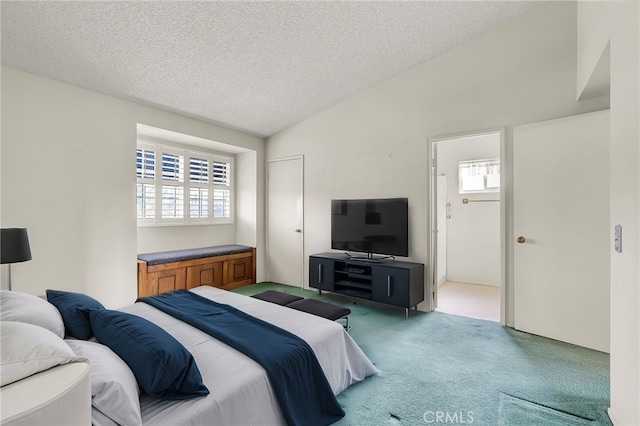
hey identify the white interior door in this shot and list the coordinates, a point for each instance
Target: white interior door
(285, 221)
(561, 211)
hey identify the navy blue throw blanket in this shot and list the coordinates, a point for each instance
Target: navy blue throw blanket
(302, 389)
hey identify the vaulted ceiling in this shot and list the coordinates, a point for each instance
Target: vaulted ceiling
(257, 66)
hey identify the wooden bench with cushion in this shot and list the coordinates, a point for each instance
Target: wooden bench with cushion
(226, 267)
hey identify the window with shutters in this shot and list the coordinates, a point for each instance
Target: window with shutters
(479, 176)
(180, 186)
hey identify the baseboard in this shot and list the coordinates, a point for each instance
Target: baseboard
(611, 417)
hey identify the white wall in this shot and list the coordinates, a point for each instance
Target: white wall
(246, 208)
(68, 175)
(473, 231)
(375, 144)
(618, 23)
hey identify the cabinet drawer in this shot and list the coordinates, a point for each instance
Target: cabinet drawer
(207, 274)
(321, 274)
(163, 281)
(238, 271)
(391, 285)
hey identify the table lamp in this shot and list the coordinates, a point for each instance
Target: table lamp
(14, 247)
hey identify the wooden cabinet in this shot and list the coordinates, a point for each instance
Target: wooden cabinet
(224, 271)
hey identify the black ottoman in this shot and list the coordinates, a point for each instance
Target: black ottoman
(322, 309)
(277, 297)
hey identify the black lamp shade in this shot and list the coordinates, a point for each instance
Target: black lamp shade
(14, 245)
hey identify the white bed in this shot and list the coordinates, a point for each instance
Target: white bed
(239, 390)
(240, 393)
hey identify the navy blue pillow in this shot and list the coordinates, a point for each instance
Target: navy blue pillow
(70, 306)
(163, 367)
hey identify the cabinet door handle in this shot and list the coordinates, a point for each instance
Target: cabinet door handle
(388, 285)
(319, 273)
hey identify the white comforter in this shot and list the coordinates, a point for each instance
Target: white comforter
(240, 393)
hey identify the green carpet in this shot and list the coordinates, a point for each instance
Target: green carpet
(526, 413)
(438, 368)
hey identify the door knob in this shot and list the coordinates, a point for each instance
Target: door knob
(521, 239)
(298, 230)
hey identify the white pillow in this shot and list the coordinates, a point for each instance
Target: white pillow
(27, 349)
(114, 388)
(23, 307)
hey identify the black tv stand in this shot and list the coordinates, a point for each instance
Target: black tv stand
(391, 282)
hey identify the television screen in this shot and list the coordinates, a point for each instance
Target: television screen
(371, 226)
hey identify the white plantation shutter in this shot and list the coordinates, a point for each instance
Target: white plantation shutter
(146, 200)
(221, 203)
(145, 187)
(145, 163)
(199, 188)
(198, 170)
(178, 186)
(198, 203)
(221, 189)
(172, 202)
(172, 186)
(221, 175)
(172, 167)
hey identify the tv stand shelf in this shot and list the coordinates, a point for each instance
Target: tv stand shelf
(391, 282)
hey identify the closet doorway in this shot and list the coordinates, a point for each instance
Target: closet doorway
(467, 250)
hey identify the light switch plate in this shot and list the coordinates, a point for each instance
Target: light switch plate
(617, 238)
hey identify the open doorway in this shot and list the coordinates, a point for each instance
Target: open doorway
(466, 200)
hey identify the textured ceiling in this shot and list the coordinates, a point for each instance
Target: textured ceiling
(254, 66)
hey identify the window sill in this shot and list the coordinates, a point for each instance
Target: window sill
(162, 225)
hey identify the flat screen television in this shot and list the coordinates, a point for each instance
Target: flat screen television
(371, 226)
